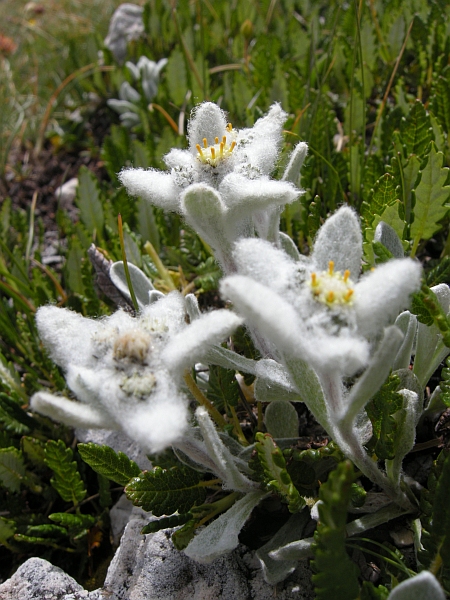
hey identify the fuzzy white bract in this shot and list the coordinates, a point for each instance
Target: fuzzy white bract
(126, 371)
(221, 184)
(320, 309)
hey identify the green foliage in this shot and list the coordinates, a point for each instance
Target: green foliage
(66, 479)
(276, 476)
(381, 411)
(308, 468)
(435, 519)
(88, 201)
(105, 461)
(166, 522)
(431, 198)
(445, 383)
(336, 575)
(415, 130)
(428, 310)
(165, 491)
(223, 389)
(12, 468)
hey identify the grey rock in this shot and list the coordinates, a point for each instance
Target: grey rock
(37, 579)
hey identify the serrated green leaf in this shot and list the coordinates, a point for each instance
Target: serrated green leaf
(113, 465)
(336, 575)
(426, 306)
(164, 492)
(440, 273)
(166, 522)
(34, 450)
(276, 475)
(184, 535)
(12, 469)
(14, 417)
(441, 101)
(380, 411)
(67, 480)
(435, 505)
(46, 530)
(71, 521)
(415, 130)
(223, 389)
(431, 197)
(7, 529)
(384, 194)
(88, 201)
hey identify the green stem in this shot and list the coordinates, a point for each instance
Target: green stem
(125, 264)
(203, 400)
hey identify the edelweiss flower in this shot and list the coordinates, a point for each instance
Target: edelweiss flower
(320, 309)
(221, 184)
(125, 371)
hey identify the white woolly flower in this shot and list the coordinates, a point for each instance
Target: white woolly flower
(221, 184)
(125, 370)
(320, 309)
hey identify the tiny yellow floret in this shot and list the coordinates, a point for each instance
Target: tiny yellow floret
(332, 288)
(213, 154)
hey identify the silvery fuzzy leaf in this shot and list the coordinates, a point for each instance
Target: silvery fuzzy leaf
(296, 159)
(406, 433)
(225, 467)
(430, 349)
(387, 235)
(273, 382)
(221, 536)
(276, 571)
(123, 107)
(407, 323)
(340, 240)
(191, 345)
(287, 244)
(230, 360)
(154, 296)
(281, 419)
(142, 285)
(296, 550)
(423, 586)
(71, 413)
(192, 307)
(156, 187)
(375, 375)
(127, 92)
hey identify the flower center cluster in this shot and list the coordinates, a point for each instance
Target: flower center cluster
(215, 153)
(332, 288)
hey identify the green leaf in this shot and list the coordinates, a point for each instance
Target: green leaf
(74, 523)
(431, 196)
(281, 419)
(384, 194)
(380, 411)
(67, 480)
(415, 130)
(164, 492)
(370, 592)
(426, 306)
(34, 450)
(435, 518)
(276, 475)
(88, 201)
(7, 530)
(175, 75)
(105, 461)
(184, 535)
(336, 575)
(14, 417)
(440, 273)
(166, 522)
(12, 469)
(223, 389)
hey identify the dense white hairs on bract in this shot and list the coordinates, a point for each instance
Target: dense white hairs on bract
(340, 240)
(383, 293)
(156, 187)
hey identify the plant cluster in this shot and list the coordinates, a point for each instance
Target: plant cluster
(325, 230)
